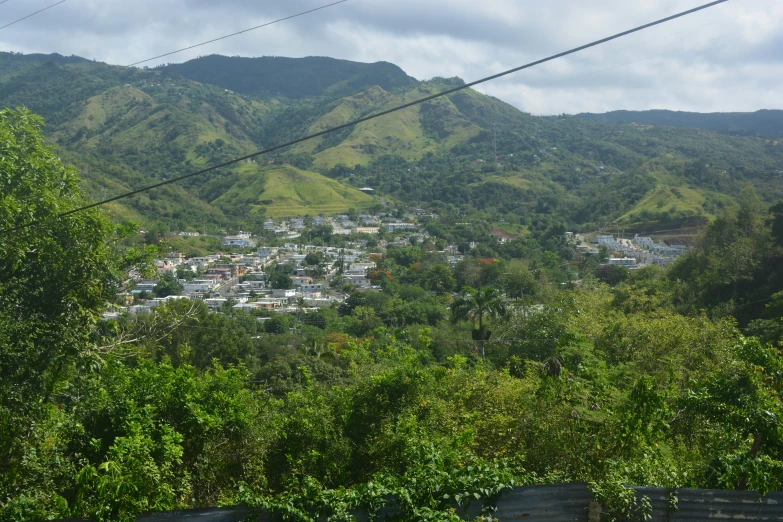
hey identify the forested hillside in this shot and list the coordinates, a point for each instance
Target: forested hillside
(763, 122)
(293, 78)
(126, 127)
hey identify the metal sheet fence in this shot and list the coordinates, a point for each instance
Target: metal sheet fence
(710, 504)
(557, 503)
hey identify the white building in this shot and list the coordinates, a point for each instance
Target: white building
(144, 286)
(199, 262)
(284, 293)
(644, 241)
(215, 304)
(238, 241)
(366, 230)
(251, 285)
(622, 261)
(198, 285)
(320, 302)
(360, 268)
(391, 227)
(270, 303)
(265, 252)
(358, 281)
(302, 280)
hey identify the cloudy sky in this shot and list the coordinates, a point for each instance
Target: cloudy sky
(727, 58)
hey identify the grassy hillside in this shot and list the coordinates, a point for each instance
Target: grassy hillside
(288, 191)
(411, 133)
(666, 202)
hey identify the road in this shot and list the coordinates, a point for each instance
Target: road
(224, 290)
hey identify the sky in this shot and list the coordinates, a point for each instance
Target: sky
(726, 58)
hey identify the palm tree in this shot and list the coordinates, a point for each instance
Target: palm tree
(474, 305)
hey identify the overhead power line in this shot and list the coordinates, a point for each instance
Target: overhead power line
(376, 115)
(31, 14)
(4, 1)
(238, 32)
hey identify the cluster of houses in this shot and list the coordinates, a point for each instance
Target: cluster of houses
(242, 281)
(292, 228)
(639, 251)
(240, 240)
(341, 225)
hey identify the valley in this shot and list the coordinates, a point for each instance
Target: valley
(430, 313)
(467, 154)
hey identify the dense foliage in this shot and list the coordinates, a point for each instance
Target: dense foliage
(525, 377)
(313, 76)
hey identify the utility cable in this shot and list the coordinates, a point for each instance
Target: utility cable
(238, 32)
(32, 14)
(662, 53)
(4, 1)
(376, 115)
(680, 33)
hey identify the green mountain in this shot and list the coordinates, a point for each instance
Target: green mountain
(462, 154)
(291, 77)
(764, 122)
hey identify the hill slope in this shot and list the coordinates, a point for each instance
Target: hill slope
(287, 191)
(411, 133)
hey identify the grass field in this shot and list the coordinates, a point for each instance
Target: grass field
(287, 191)
(666, 203)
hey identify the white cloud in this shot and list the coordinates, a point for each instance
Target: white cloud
(723, 59)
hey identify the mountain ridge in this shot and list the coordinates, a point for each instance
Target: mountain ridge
(464, 153)
(294, 78)
(767, 122)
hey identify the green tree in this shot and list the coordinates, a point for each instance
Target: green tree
(301, 304)
(55, 278)
(168, 285)
(518, 281)
(477, 305)
(404, 256)
(777, 222)
(749, 216)
(281, 281)
(185, 273)
(314, 258)
(612, 274)
(280, 277)
(439, 279)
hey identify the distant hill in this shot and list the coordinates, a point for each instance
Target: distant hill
(15, 62)
(291, 77)
(763, 122)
